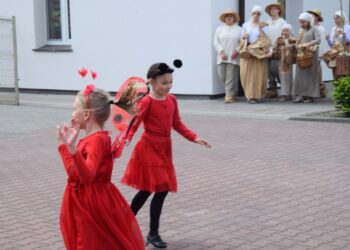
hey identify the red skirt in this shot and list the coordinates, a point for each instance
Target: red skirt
(150, 167)
(97, 216)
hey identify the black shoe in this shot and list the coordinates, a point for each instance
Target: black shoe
(156, 241)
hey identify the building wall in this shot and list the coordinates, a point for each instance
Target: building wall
(139, 33)
(119, 39)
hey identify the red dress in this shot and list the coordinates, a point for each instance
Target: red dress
(94, 214)
(150, 167)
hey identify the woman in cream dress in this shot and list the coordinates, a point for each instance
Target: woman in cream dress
(253, 70)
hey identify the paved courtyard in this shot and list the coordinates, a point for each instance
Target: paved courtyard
(267, 182)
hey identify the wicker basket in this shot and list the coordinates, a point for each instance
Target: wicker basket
(304, 58)
(243, 50)
(305, 61)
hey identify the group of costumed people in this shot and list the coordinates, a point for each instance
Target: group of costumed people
(261, 54)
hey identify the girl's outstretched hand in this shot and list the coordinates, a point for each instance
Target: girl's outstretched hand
(202, 142)
(67, 134)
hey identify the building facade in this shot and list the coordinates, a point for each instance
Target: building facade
(119, 39)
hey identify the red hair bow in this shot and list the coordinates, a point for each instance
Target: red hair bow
(88, 89)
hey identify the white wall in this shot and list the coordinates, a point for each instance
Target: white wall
(24, 27)
(218, 7)
(40, 23)
(118, 39)
(293, 9)
(131, 35)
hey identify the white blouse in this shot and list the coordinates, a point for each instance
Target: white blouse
(226, 39)
(340, 37)
(274, 29)
(253, 32)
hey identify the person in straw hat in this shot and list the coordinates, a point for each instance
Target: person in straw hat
(226, 42)
(306, 84)
(253, 70)
(324, 47)
(274, 29)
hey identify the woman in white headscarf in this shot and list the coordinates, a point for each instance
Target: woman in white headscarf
(226, 42)
(307, 80)
(341, 28)
(253, 70)
(340, 35)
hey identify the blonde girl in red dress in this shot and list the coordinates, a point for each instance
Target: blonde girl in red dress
(94, 214)
(150, 168)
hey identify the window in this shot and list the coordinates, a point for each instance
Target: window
(58, 22)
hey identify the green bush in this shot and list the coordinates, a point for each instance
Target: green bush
(341, 94)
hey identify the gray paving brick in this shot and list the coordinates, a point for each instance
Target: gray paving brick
(267, 182)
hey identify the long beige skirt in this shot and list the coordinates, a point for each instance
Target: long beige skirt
(253, 77)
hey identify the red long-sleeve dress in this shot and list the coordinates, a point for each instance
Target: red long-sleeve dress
(94, 214)
(150, 167)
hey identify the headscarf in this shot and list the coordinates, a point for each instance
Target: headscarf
(287, 26)
(305, 16)
(257, 8)
(341, 14)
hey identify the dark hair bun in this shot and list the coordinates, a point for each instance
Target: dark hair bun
(177, 63)
(163, 68)
(158, 69)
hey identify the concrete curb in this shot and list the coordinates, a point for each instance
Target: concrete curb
(322, 117)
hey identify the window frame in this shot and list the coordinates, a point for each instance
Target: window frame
(65, 24)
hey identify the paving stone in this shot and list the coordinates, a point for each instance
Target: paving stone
(267, 182)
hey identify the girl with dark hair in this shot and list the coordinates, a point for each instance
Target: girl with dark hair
(150, 168)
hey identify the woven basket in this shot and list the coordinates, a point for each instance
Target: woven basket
(305, 61)
(304, 58)
(245, 54)
(243, 50)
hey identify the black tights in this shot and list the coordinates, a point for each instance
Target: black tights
(155, 210)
